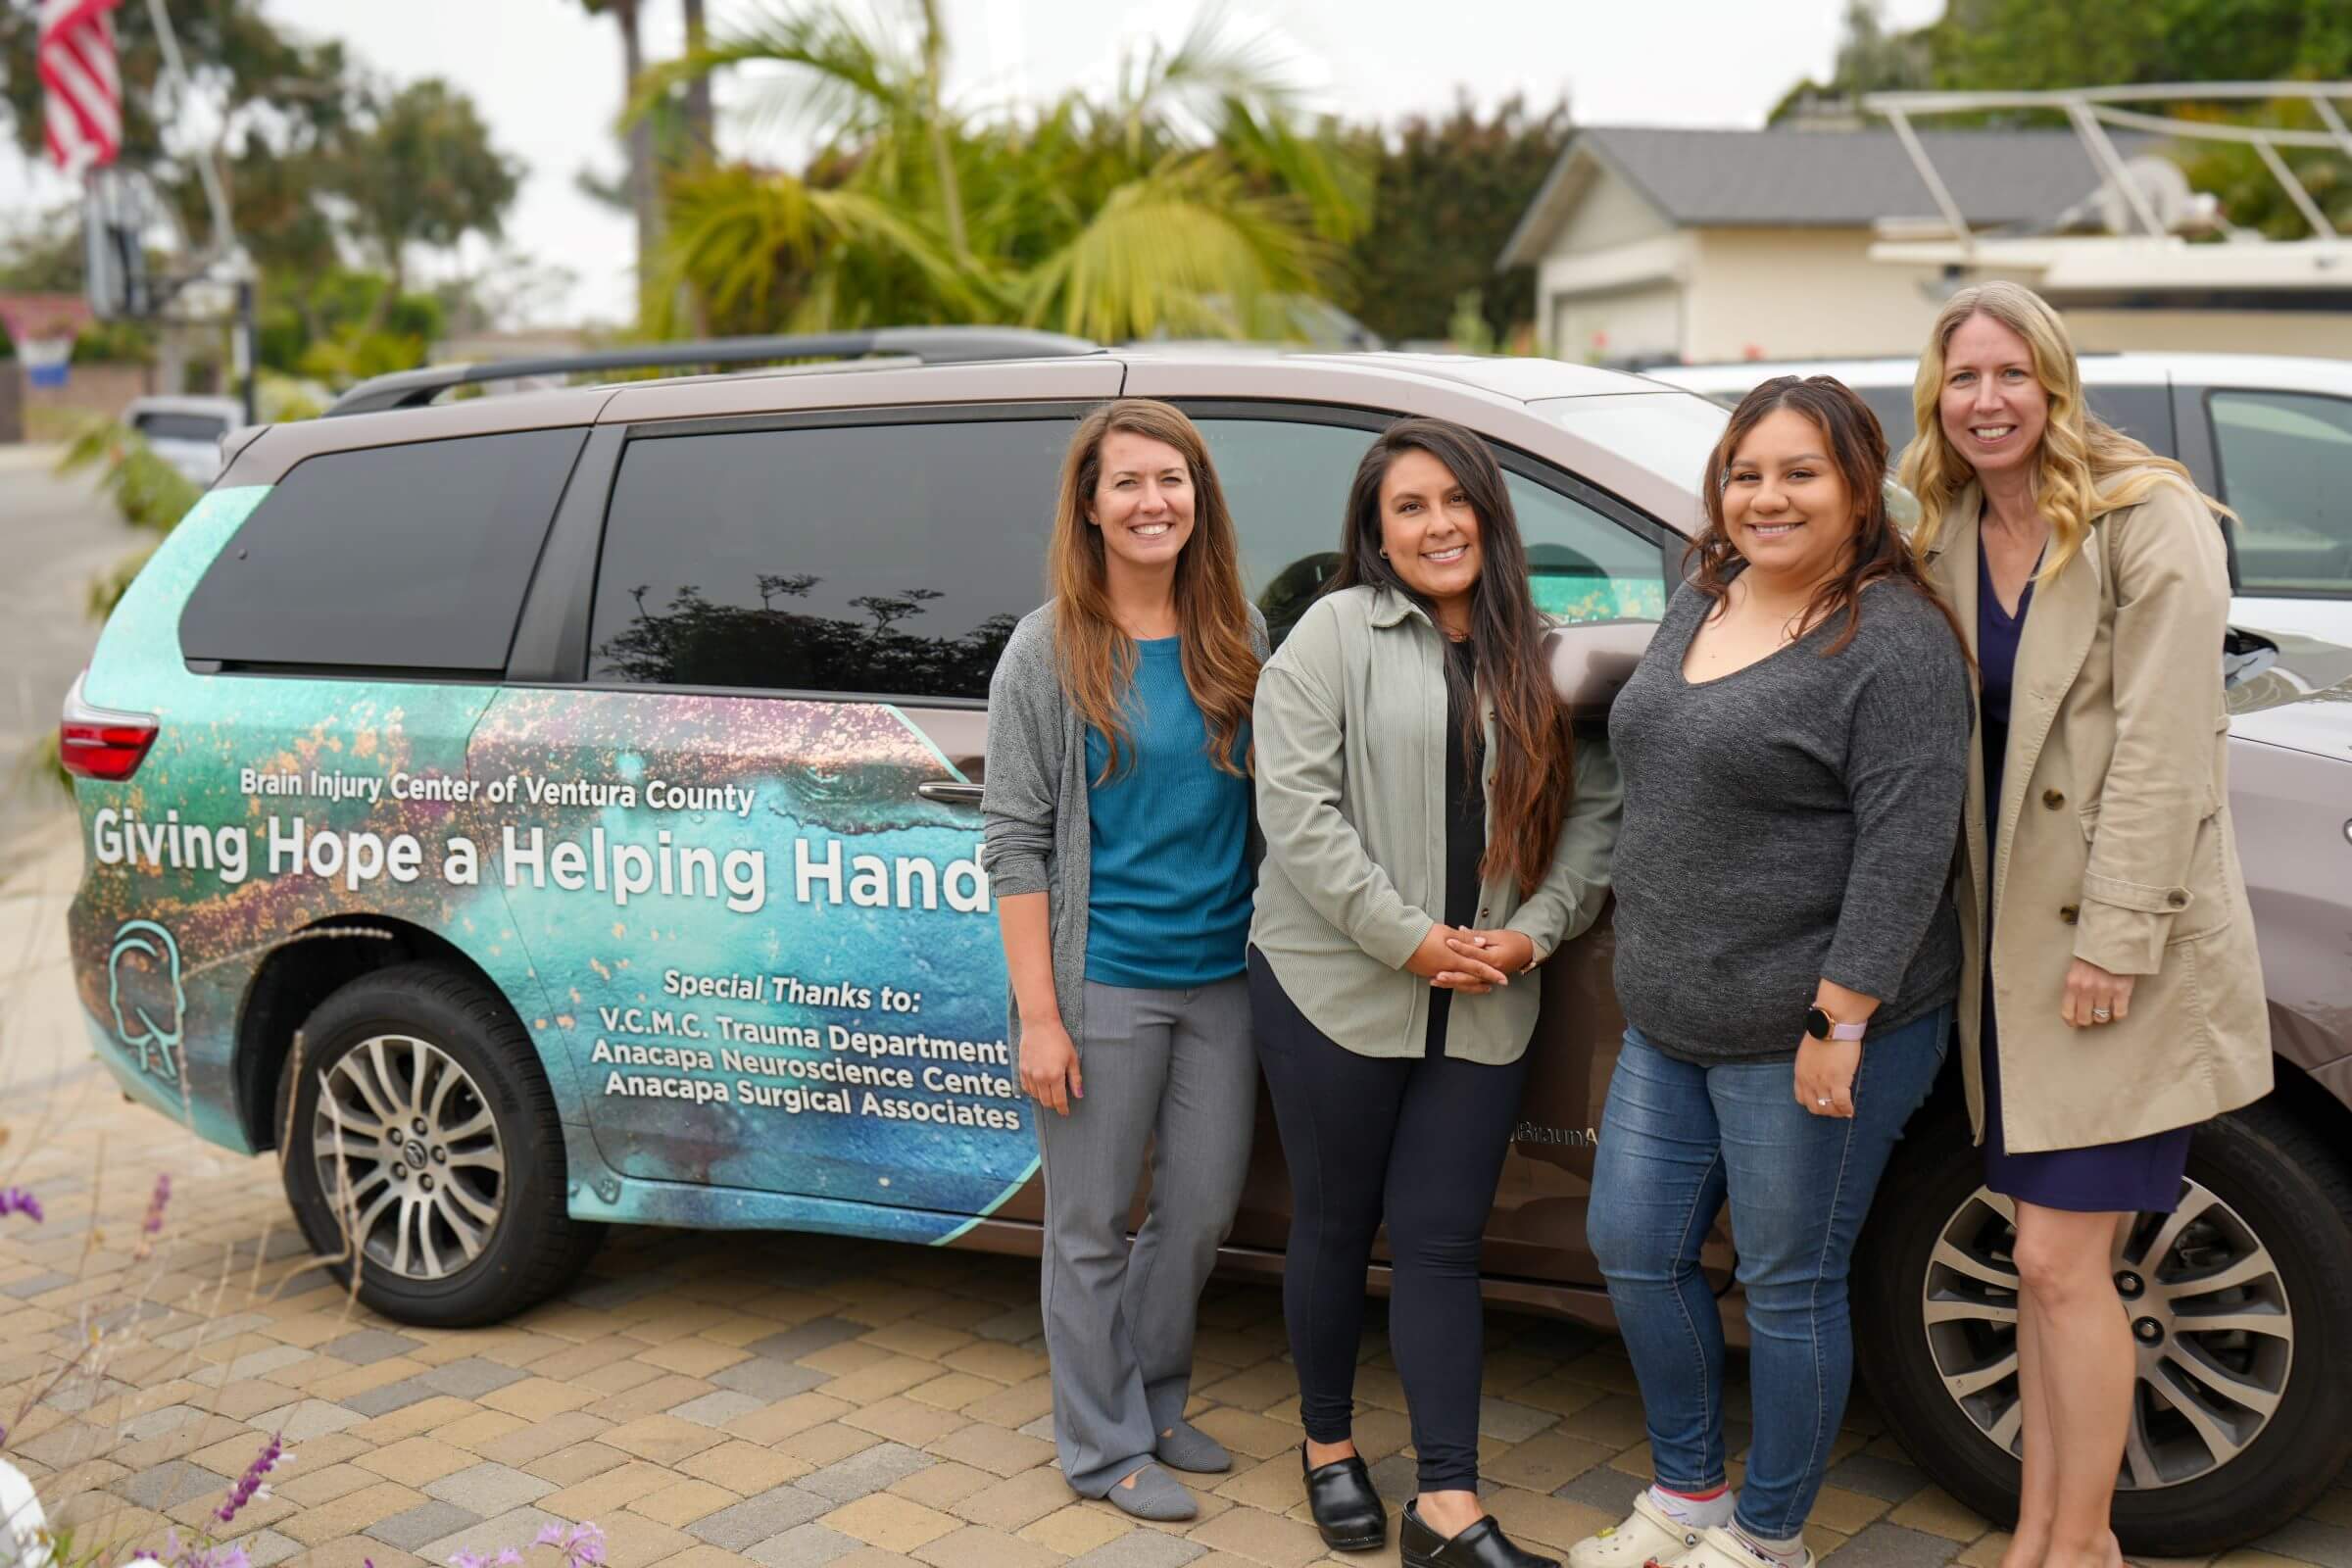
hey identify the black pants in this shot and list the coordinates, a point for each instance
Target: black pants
(1422, 1140)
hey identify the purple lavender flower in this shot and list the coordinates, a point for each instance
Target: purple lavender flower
(155, 1204)
(250, 1483)
(19, 1200)
(197, 1555)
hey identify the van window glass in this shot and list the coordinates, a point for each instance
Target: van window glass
(1287, 482)
(2286, 466)
(887, 559)
(161, 426)
(410, 557)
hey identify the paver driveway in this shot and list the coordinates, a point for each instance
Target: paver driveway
(708, 1397)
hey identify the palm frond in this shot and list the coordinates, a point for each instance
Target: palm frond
(1185, 249)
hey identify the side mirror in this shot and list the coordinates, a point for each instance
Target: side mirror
(1592, 661)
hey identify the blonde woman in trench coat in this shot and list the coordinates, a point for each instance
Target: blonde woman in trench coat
(2099, 872)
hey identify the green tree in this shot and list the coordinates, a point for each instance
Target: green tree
(420, 171)
(1449, 192)
(1182, 200)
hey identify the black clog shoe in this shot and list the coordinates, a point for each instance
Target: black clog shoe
(1482, 1546)
(1348, 1508)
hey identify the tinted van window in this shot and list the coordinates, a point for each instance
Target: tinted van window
(1287, 482)
(887, 559)
(160, 426)
(2287, 468)
(410, 557)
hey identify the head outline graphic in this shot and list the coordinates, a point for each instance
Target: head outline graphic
(157, 1043)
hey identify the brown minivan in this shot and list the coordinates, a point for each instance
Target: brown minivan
(627, 740)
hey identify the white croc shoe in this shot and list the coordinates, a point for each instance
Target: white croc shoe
(1719, 1548)
(1648, 1535)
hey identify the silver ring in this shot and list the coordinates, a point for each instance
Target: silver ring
(2100, 1016)
(1821, 1101)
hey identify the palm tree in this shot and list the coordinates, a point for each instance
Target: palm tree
(1181, 201)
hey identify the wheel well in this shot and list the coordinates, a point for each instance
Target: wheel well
(298, 976)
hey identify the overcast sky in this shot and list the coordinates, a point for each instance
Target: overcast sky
(547, 76)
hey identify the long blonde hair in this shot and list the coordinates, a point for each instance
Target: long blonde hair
(2086, 467)
(1096, 658)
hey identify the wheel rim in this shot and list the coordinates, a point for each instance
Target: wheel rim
(2212, 1329)
(408, 1158)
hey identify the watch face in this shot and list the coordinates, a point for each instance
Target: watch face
(1817, 1024)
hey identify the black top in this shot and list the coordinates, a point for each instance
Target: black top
(1465, 818)
(1790, 821)
(1997, 633)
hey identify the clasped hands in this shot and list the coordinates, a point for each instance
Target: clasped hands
(1460, 959)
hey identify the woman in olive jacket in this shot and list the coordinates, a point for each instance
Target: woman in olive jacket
(2110, 997)
(1430, 838)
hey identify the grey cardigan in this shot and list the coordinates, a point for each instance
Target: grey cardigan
(1033, 803)
(1351, 739)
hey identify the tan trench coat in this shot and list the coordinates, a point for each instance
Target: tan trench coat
(2115, 843)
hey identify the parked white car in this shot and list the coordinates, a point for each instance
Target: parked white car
(186, 431)
(2269, 435)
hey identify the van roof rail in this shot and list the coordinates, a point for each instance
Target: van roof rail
(933, 345)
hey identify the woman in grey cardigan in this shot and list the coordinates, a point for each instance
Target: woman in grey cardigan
(1431, 835)
(1117, 806)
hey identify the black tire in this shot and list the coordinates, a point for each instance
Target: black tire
(531, 1248)
(2293, 1194)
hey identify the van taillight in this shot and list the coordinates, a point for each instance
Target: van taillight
(102, 743)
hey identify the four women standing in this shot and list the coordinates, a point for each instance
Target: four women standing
(1798, 763)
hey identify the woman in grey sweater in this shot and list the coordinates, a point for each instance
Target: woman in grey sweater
(1796, 747)
(1118, 808)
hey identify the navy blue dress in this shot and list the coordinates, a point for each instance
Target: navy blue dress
(2138, 1173)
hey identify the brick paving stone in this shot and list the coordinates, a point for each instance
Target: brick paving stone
(825, 1445)
(168, 1484)
(901, 1420)
(1007, 1453)
(869, 1470)
(156, 1423)
(614, 1489)
(415, 1461)
(717, 1407)
(682, 1503)
(386, 1398)
(349, 1513)
(1612, 1491)
(1848, 1511)
(1936, 1513)
(470, 1377)
(489, 1489)
(805, 1340)
(521, 1448)
(892, 1523)
(1078, 1529)
(1547, 1462)
(954, 1391)
(1885, 1545)
(413, 1528)
(1545, 1519)
(977, 1546)
(425, 1415)
(2309, 1540)
(1275, 1542)
(1876, 1476)
(659, 1393)
(266, 1548)
(514, 1528)
(767, 1378)
(478, 1427)
(785, 1417)
(366, 1345)
(310, 1488)
(695, 1357)
(809, 1545)
(760, 1518)
(579, 1463)
(535, 1397)
(1144, 1548)
(661, 1438)
(1511, 1422)
(1017, 1500)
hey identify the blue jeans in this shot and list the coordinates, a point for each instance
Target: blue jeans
(1675, 1142)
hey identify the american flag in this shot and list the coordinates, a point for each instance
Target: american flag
(84, 89)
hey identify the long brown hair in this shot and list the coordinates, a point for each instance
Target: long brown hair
(1878, 552)
(1534, 767)
(1096, 658)
(2085, 469)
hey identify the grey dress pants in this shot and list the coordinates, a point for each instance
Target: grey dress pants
(1178, 1069)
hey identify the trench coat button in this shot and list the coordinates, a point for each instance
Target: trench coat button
(1482, 913)
(2069, 913)
(2053, 798)
(2177, 899)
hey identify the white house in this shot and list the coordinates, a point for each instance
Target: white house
(1670, 245)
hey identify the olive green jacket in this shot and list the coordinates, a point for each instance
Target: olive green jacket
(1351, 732)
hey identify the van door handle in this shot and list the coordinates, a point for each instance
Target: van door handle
(948, 792)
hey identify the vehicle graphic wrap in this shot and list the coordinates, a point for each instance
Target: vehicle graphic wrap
(761, 973)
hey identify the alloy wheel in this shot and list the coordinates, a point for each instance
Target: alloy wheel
(2210, 1321)
(409, 1157)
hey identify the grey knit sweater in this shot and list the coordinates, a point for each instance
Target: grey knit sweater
(1033, 803)
(1791, 821)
